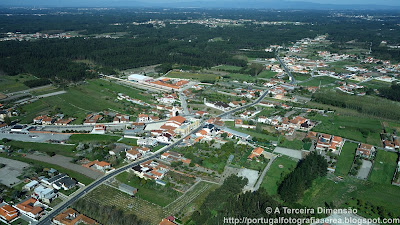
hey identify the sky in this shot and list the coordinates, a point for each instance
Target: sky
(206, 3)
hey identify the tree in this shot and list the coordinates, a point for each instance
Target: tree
(7, 120)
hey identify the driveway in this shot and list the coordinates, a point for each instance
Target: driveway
(364, 170)
(65, 162)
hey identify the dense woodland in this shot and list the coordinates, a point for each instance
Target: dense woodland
(392, 92)
(184, 44)
(300, 179)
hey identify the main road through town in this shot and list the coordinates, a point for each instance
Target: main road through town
(292, 80)
(45, 220)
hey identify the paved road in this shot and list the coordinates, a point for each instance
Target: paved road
(83, 191)
(292, 80)
(261, 178)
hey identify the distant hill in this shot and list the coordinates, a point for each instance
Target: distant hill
(270, 4)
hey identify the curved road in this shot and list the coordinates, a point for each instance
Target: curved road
(83, 191)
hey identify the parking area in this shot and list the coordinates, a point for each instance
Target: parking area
(37, 137)
(364, 170)
(251, 175)
(11, 170)
(288, 152)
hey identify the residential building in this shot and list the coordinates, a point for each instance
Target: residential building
(147, 142)
(31, 208)
(44, 194)
(72, 217)
(132, 154)
(8, 214)
(255, 153)
(365, 150)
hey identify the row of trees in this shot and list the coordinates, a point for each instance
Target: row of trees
(370, 105)
(300, 179)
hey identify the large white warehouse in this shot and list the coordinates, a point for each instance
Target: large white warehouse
(138, 78)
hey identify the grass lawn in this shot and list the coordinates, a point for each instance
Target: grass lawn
(70, 191)
(319, 80)
(276, 173)
(359, 128)
(196, 76)
(76, 138)
(384, 167)
(295, 144)
(78, 176)
(66, 150)
(129, 141)
(95, 96)
(346, 159)
(156, 194)
(10, 84)
(55, 202)
(324, 191)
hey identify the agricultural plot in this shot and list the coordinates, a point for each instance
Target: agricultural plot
(156, 194)
(360, 129)
(384, 167)
(227, 68)
(65, 150)
(14, 83)
(325, 190)
(346, 159)
(95, 96)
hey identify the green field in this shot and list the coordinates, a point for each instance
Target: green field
(66, 150)
(278, 170)
(95, 96)
(129, 141)
(325, 191)
(267, 74)
(76, 138)
(156, 194)
(14, 83)
(346, 159)
(375, 84)
(78, 176)
(360, 129)
(319, 80)
(196, 76)
(300, 76)
(241, 77)
(295, 144)
(227, 67)
(384, 167)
